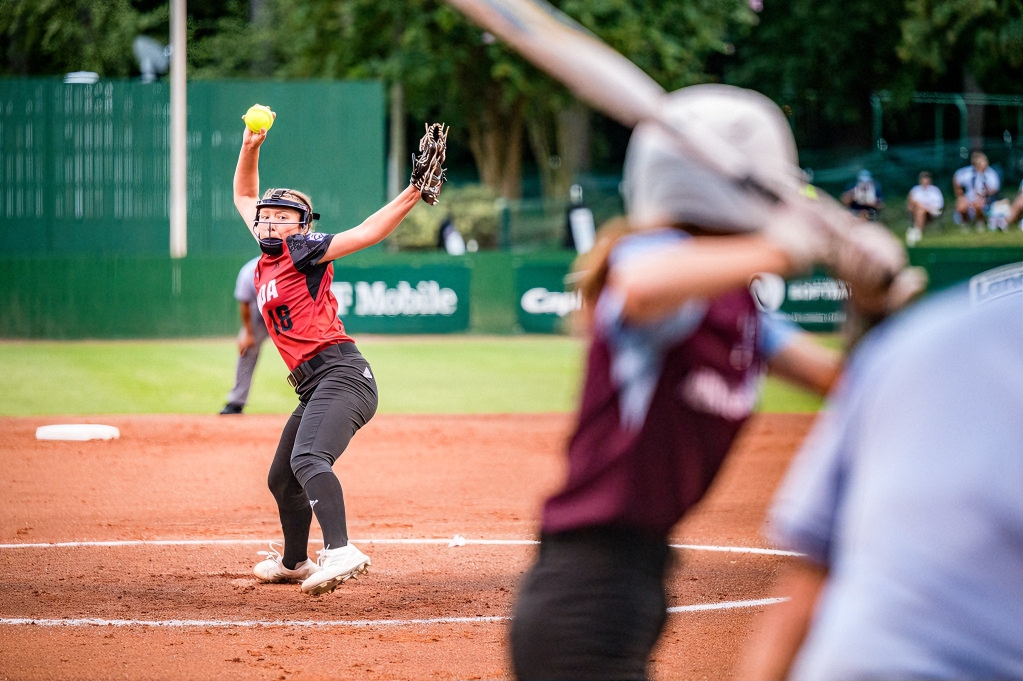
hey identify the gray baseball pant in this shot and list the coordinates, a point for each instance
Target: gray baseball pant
(247, 364)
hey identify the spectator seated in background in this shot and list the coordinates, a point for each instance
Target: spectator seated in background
(864, 198)
(925, 202)
(449, 238)
(974, 187)
(1015, 210)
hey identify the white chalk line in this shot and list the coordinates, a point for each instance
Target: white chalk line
(248, 624)
(423, 541)
(726, 605)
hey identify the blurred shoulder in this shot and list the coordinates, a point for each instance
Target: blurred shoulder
(643, 243)
(981, 316)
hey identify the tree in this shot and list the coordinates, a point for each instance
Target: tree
(670, 41)
(53, 37)
(50, 37)
(953, 40)
(448, 68)
(453, 70)
(820, 60)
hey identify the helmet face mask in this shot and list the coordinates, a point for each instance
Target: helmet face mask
(281, 198)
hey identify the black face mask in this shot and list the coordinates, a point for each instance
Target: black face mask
(271, 246)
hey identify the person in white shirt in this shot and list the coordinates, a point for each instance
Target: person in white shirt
(1016, 210)
(974, 186)
(925, 203)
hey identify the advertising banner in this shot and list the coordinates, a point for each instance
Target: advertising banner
(815, 303)
(403, 299)
(543, 304)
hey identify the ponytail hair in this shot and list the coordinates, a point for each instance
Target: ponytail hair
(590, 270)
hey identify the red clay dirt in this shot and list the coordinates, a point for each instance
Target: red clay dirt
(413, 477)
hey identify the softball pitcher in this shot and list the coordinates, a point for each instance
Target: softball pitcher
(677, 350)
(335, 385)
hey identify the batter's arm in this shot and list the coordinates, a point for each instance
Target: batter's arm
(653, 287)
(246, 177)
(808, 364)
(373, 229)
(782, 629)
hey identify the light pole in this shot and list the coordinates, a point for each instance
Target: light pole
(178, 135)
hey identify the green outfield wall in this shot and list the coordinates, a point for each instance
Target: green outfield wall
(141, 297)
(84, 169)
(106, 296)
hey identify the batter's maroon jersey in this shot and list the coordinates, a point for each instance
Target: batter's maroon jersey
(293, 295)
(646, 476)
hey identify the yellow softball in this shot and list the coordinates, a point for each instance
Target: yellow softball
(258, 117)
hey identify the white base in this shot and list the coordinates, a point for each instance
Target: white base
(78, 432)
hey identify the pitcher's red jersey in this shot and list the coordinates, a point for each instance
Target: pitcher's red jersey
(294, 297)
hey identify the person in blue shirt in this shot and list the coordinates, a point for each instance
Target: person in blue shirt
(864, 197)
(907, 504)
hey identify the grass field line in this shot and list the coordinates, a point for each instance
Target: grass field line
(96, 621)
(409, 541)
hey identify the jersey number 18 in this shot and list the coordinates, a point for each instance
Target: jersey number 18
(281, 318)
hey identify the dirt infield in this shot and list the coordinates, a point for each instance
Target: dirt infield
(193, 611)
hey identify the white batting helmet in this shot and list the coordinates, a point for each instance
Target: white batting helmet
(664, 187)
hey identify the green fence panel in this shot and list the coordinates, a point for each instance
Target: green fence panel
(84, 169)
(108, 296)
(493, 293)
(404, 298)
(115, 297)
(947, 267)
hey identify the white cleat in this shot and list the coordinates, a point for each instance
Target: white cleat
(271, 570)
(336, 567)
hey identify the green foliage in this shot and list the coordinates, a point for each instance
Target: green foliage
(671, 41)
(50, 37)
(489, 95)
(820, 60)
(53, 37)
(471, 208)
(981, 37)
(449, 68)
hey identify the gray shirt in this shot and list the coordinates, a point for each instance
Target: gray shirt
(910, 490)
(245, 290)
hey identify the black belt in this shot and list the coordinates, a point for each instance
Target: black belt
(309, 367)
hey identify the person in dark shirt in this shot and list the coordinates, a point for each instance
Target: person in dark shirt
(677, 350)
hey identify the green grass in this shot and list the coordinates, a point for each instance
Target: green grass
(416, 375)
(954, 237)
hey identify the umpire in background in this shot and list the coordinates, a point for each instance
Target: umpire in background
(250, 338)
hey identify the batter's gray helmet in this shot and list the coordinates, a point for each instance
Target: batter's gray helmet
(664, 187)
